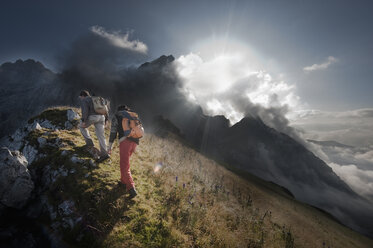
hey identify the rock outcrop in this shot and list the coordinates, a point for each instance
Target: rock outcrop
(17, 153)
(16, 184)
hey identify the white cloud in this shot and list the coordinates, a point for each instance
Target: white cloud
(330, 60)
(353, 164)
(227, 84)
(120, 40)
(361, 181)
(347, 127)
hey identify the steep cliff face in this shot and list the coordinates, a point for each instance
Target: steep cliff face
(185, 199)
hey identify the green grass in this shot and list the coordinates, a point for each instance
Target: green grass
(57, 116)
(207, 206)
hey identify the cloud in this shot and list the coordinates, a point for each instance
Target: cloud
(315, 67)
(228, 85)
(120, 40)
(353, 165)
(348, 127)
(359, 180)
(99, 56)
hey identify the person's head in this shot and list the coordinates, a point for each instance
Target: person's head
(123, 107)
(84, 93)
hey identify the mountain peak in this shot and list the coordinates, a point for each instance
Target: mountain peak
(24, 67)
(160, 62)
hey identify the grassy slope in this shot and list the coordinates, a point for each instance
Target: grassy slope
(207, 206)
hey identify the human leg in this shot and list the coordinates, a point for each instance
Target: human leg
(84, 131)
(126, 148)
(100, 133)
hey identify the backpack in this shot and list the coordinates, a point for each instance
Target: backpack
(133, 124)
(100, 105)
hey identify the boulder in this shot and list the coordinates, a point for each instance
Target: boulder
(34, 126)
(42, 141)
(15, 180)
(72, 115)
(68, 125)
(47, 124)
(76, 160)
(30, 153)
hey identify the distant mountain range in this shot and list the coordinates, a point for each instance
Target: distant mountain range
(153, 89)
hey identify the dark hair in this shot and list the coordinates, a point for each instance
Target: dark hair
(123, 107)
(84, 93)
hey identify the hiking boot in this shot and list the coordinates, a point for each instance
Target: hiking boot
(89, 143)
(87, 147)
(122, 185)
(132, 193)
(102, 158)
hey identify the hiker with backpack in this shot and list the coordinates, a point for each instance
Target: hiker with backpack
(94, 109)
(127, 126)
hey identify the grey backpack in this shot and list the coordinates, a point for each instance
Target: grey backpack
(100, 105)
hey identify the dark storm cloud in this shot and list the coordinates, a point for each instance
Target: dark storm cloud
(99, 55)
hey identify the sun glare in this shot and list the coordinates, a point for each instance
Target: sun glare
(225, 76)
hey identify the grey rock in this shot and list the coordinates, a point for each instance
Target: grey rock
(57, 142)
(15, 180)
(76, 160)
(72, 115)
(16, 140)
(47, 124)
(34, 126)
(30, 153)
(54, 175)
(64, 153)
(42, 141)
(66, 208)
(68, 125)
(63, 172)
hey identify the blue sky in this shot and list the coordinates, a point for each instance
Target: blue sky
(286, 37)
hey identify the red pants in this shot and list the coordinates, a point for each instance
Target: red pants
(126, 148)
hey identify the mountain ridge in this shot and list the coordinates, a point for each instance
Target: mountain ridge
(184, 198)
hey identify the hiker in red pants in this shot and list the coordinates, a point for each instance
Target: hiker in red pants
(127, 126)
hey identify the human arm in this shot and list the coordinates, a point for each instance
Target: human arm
(85, 112)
